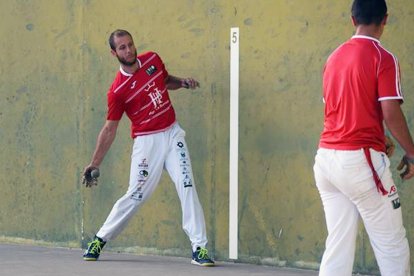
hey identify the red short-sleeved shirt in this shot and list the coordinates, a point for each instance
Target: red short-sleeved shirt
(357, 76)
(143, 96)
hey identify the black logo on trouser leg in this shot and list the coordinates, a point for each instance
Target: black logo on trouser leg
(143, 173)
(187, 182)
(396, 203)
(138, 194)
(185, 166)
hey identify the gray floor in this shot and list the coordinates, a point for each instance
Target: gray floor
(22, 260)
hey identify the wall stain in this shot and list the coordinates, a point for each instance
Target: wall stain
(30, 27)
(248, 21)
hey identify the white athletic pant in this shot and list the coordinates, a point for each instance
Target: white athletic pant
(348, 191)
(151, 154)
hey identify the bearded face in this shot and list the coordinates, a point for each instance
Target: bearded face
(129, 60)
(125, 50)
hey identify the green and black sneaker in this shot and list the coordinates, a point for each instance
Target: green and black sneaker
(94, 249)
(201, 258)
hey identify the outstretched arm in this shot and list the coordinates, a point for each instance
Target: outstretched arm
(397, 125)
(174, 83)
(105, 138)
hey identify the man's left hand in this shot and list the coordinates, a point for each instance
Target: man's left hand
(190, 83)
(389, 146)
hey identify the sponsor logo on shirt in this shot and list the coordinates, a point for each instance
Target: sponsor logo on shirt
(156, 98)
(151, 70)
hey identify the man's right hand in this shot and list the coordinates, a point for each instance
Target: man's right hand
(90, 176)
(406, 164)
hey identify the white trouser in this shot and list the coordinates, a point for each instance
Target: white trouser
(151, 154)
(348, 191)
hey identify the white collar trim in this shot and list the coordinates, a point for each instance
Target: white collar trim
(366, 37)
(126, 73)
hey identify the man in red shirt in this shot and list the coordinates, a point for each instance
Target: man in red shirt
(140, 90)
(361, 90)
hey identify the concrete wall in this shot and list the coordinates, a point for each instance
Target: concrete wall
(55, 69)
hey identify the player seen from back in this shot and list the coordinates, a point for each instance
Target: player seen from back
(361, 91)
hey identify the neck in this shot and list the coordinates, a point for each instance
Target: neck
(369, 30)
(130, 69)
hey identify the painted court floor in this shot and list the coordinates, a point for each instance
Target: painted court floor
(22, 260)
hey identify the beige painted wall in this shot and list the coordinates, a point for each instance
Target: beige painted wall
(55, 69)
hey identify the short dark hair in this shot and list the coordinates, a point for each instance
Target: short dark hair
(367, 12)
(117, 33)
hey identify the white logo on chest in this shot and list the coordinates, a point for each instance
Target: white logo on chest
(156, 98)
(149, 86)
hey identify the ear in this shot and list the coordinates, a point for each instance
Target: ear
(384, 21)
(113, 53)
(354, 22)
